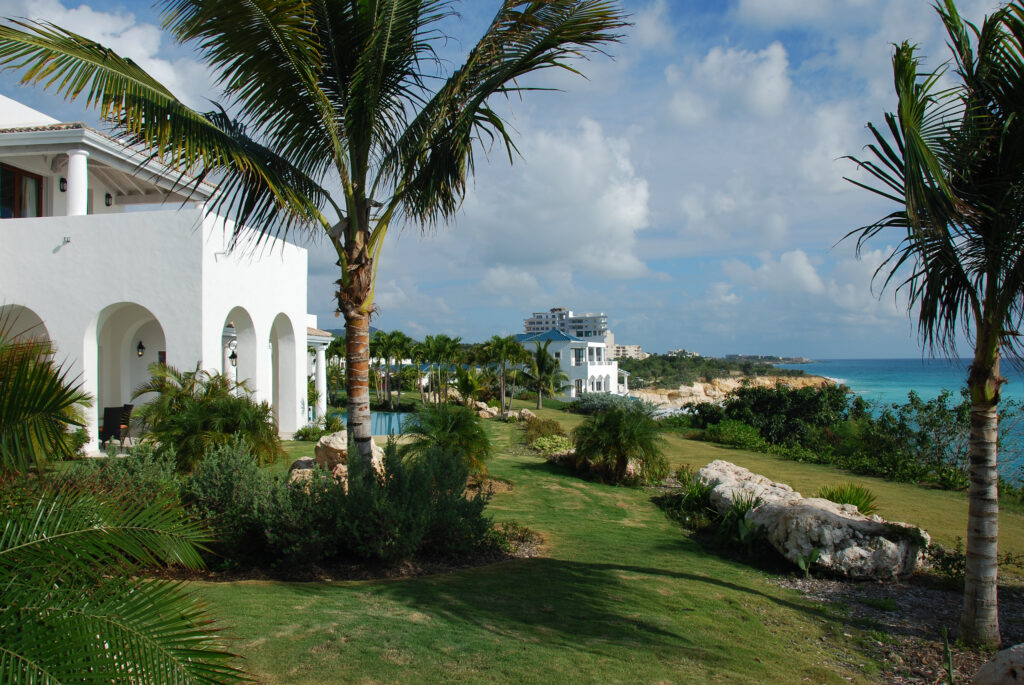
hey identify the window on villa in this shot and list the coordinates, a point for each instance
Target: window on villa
(558, 355)
(21, 193)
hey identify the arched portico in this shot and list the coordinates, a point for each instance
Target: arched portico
(239, 338)
(284, 379)
(21, 323)
(118, 347)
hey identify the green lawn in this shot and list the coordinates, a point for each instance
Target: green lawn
(618, 594)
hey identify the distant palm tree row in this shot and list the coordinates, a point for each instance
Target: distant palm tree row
(494, 369)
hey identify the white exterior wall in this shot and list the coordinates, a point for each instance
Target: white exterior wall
(168, 263)
(605, 369)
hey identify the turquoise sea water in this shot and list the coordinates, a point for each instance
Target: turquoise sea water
(889, 381)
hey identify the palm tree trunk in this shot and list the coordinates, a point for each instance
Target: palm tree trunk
(357, 354)
(979, 622)
(540, 399)
(501, 387)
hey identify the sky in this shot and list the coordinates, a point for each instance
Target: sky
(691, 187)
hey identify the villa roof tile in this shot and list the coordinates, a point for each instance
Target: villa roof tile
(317, 332)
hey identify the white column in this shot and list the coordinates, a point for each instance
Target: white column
(321, 382)
(78, 183)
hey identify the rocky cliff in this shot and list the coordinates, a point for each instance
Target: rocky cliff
(716, 390)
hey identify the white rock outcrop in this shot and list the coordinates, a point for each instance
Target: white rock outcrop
(1006, 667)
(848, 543)
(332, 450)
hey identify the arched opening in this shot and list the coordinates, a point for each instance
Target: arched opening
(239, 339)
(21, 323)
(129, 338)
(283, 375)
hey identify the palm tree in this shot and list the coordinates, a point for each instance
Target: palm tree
(194, 411)
(500, 350)
(402, 349)
(545, 374)
(952, 160)
(418, 353)
(327, 93)
(610, 441)
(450, 428)
(518, 359)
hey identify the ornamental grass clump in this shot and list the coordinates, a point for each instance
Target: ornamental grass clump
(850, 493)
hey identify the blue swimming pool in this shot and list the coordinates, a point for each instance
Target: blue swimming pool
(381, 423)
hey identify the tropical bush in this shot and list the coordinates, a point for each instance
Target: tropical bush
(539, 428)
(414, 509)
(195, 411)
(850, 493)
(312, 432)
(551, 445)
(597, 402)
(452, 428)
(672, 371)
(142, 473)
(609, 443)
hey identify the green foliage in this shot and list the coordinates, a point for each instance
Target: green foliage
(951, 564)
(143, 473)
(449, 427)
(230, 490)
(671, 372)
(39, 402)
(610, 442)
(850, 493)
(736, 434)
(806, 561)
(75, 608)
(544, 374)
(195, 411)
(312, 432)
(598, 402)
(539, 428)
(917, 441)
(550, 445)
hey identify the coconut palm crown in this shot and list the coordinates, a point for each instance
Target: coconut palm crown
(321, 94)
(952, 160)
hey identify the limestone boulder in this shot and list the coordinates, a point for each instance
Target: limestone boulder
(1005, 667)
(848, 543)
(332, 450)
(480, 406)
(527, 415)
(301, 470)
(484, 414)
(494, 412)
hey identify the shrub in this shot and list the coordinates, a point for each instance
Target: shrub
(736, 434)
(850, 493)
(599, 402)
(608, 443)
(540, 428)
(143, 474)
(299, 520)
(311, 432)
(550, 445)
(230, 490)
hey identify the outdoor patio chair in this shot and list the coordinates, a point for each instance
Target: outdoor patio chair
(116, 421)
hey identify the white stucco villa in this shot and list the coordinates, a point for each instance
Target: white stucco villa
(585, 362)
(105, 254)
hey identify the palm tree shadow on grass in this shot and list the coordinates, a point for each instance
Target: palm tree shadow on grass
(575, 605)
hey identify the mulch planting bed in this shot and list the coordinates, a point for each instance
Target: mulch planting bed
(906, 619)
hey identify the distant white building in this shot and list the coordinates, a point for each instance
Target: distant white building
(117, 290)
(630, 352)
(585, 362)
(589, 326)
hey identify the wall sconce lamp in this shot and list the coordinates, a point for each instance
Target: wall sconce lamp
(63, 185)
(108, 200)
(140, 349)
(233, 358)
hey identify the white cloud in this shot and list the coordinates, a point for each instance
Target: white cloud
(573, 202)
(731, 82)
(792, 274)
(652, 26)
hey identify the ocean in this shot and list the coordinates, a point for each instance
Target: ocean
(889, 380)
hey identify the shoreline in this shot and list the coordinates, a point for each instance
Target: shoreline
(717, 389)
